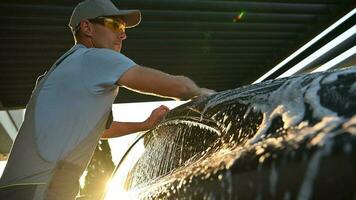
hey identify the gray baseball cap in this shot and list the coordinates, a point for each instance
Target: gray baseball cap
(90, 9)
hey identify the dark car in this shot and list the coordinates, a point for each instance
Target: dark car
(288, 138)
(291, 138)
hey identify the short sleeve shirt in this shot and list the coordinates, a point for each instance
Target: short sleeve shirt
(74, 103)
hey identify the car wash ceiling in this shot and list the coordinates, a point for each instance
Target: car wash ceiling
(219, 44)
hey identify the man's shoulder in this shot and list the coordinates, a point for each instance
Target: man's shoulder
(101, 52)
(101, 56)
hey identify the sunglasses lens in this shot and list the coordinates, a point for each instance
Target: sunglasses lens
(115, 26)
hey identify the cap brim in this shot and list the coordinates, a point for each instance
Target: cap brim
(131, 17)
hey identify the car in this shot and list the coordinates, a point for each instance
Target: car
(290, 137)
(287, 138)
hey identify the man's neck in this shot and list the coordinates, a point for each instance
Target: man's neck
(84, 42)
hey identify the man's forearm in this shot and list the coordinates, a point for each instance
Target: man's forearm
(118, 129)
(151, 81)
(189, 88)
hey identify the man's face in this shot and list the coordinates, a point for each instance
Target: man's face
(109, 33)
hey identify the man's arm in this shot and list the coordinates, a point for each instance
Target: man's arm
(118, 129)
(155, 82)
(151, 81)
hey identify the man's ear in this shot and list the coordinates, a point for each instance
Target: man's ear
(87, 28)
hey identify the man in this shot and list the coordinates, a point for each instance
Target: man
(71, 105)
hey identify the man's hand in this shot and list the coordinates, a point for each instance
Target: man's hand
(156, 116)
(206, 92)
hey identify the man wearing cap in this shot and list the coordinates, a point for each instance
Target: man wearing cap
(70, 107)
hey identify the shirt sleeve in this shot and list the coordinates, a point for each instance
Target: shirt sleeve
(101, 68)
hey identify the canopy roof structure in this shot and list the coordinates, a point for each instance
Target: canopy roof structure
(219, 44)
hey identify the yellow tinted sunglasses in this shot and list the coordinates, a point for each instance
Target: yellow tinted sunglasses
(114, 25)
